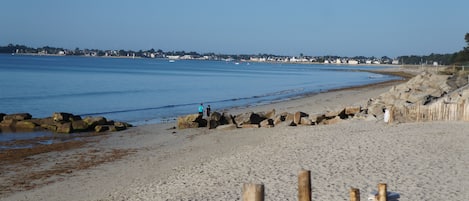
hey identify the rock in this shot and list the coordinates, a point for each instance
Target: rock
(191, 121)
(298, 116)
(267, 123)
(241, 119)
(114, 128)
(249, 118)
(50, 127)
(62, 117)
(227, 119)
(101, 128)
(17, 117)
(331, 114)
(279, 119)
(267, 115)
(122, 125)
(80, 126)
(352, 110)
(25, 125)
(250, 126)
(1, 116)
(212, 124)
(94, 121)
(227, 127)
(65, 127)
(8, 123)
(305, 121)
(215, 116)
(332, 121)
(215, 120)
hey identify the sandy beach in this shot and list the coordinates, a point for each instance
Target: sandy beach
(420, 161)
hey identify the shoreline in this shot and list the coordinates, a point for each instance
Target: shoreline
(421, 161)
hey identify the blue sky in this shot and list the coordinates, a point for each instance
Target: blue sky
(323, 27)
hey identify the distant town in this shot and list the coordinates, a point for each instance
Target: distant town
(433, 59)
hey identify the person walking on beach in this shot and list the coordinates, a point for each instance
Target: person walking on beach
(208, 110)
(201, 109)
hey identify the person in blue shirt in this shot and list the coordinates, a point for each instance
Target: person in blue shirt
(201, 109)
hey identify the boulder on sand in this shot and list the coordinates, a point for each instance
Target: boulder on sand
(191, 121)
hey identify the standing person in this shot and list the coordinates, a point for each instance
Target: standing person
(201, 109)
(208, 110)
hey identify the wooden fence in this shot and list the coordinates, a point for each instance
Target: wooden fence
(255, 192)
(439, 111)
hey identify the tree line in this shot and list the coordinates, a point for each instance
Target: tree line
(461, 57)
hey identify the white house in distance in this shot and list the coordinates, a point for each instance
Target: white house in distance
(173, 57)
(353, 62)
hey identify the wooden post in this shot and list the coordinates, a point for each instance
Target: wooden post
(354, 194)
(253, 192)
(304, 185)
(382, 192)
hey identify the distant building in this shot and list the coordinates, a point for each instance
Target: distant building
(395, 62)
(435, 63)
(173, 57)
(368, 62)
(354, 62)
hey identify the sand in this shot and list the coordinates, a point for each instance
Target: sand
(420, 161)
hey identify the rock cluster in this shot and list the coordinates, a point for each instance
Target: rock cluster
(59, 122)
(419, 94)
(427, 96)
(267, 119)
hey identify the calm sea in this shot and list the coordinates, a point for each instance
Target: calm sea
(143, 91)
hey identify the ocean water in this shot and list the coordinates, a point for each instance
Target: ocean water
(142, 91)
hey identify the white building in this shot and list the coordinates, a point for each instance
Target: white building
(173, 57)
(353, 62)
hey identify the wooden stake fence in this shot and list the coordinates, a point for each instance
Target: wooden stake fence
(255, 192)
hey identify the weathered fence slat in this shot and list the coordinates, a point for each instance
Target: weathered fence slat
(304, 185)
(253, 192)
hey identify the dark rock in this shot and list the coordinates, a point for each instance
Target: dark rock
(94, 121)
(25, 125)
(101, 128)
(227, 119)
(62, 116)
(122, 125)
(80, 126)
(1, 116)
(212, 124)
(216, 116)
(17, 117)
(65, 127)
(8, 123)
